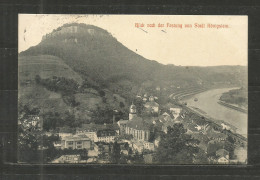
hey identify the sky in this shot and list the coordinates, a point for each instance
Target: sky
(185, 46)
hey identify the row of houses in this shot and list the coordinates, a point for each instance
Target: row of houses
(141, 129)
(99, 132)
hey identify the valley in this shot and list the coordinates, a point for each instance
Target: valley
(80, 87)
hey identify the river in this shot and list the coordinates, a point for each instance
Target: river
(207, 104)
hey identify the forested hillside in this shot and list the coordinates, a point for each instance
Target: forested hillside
(80, 68)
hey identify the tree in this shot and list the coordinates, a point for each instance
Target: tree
(115, 154)
(201, 157)
(230, 147)
(176, 147)
(37, 79)
(122, 105)
(102, 115)
(51, 120)
(139, 106)
(213, 147)
(70, 120)
(137, 158)
(231, 140)
(101, 93)
(27, 148)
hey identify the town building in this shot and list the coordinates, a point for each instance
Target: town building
(57, 145)
(138, 96)
(65, 131)
(166, 125)
(148, 158)
(138, 146)
(68, 159)
(222, 156)
(92, 160)
(122, 124)
(174, 109)
(105, 136)
(32, 122)
(88, 130)
(224, 126)
(191, 128)
(76, 142)
(149, 146)
(217, 136)
(139, 128)
(151, 105)
(93, 153)
(99, 132)
(165, 114)
(165, 117)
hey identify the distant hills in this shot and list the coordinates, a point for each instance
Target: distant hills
(96, 60)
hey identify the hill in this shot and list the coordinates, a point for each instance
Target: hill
(104, 72)
(93, 52)
(60, 89)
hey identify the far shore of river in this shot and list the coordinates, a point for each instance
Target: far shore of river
(208, 106)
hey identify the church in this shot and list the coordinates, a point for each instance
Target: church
(136, 126)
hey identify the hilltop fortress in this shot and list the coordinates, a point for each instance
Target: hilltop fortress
(74, 29)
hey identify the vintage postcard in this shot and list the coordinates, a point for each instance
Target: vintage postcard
(132, 89)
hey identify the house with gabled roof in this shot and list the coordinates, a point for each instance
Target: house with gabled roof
(222, 156)
(151, 105)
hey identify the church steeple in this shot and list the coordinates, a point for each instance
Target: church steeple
(132, 112)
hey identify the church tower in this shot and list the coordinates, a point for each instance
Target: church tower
(132, 112)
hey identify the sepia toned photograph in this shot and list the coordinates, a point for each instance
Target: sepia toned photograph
(132, 89)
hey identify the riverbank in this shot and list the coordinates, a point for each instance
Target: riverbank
(208, 107)
(218, 123)
(232, 107)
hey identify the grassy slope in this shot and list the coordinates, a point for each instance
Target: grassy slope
(35, 95)
(46, 66)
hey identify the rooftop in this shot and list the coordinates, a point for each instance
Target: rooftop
(65, 129)
(192, 127)
(216, 135)
(121, 121)
(168, 123)
(152, 104)
(97, 127)
(76, 138)
(171, 105)
(139, 124)
(165, 114)
(222, 153)
(106, 132)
